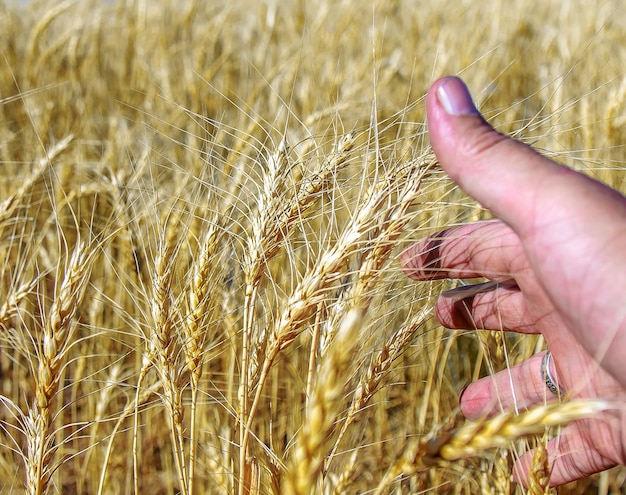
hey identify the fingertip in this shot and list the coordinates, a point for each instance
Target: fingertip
(420, 261)
(454, 96)
(458, 133)
(476, 399)
(499, 172)
(448, 98)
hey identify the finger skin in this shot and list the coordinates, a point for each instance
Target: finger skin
(561, 238)
(585, 447)
(573, 455)
(517, 184)
(518, 387)
(555, 212)
(483, 249)
(503, 308)
(522, 385)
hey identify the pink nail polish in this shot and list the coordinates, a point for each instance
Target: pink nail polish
(455, 97)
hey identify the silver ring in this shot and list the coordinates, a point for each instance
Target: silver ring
(546, 374)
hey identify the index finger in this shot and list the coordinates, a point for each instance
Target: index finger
(488, 249)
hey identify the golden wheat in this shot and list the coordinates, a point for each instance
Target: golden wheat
(496, 432)
(200, 208)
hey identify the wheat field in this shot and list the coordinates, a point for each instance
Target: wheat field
(201, 207)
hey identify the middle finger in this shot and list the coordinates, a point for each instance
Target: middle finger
(487, 306)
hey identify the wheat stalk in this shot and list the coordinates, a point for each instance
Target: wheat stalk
(257, 253)
(142, 395)
(377, 371)
(199, 306)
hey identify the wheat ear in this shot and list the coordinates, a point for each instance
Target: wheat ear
(38, 30)
(195, 335)
(323, 407)
(539, 471)
(57, 332)
(495, 474)
(276, 215)
(163, 349)
(10, 204)
(496, 432)
(10, 307)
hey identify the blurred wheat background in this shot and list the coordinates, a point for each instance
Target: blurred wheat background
(201, 205)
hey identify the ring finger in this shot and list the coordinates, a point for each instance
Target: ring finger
(518, 387)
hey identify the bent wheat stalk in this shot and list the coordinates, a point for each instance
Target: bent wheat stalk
(377, 370)
(496, 432)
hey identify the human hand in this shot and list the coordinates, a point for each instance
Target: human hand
(559, 247)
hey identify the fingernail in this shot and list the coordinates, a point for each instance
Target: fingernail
(455, 97)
